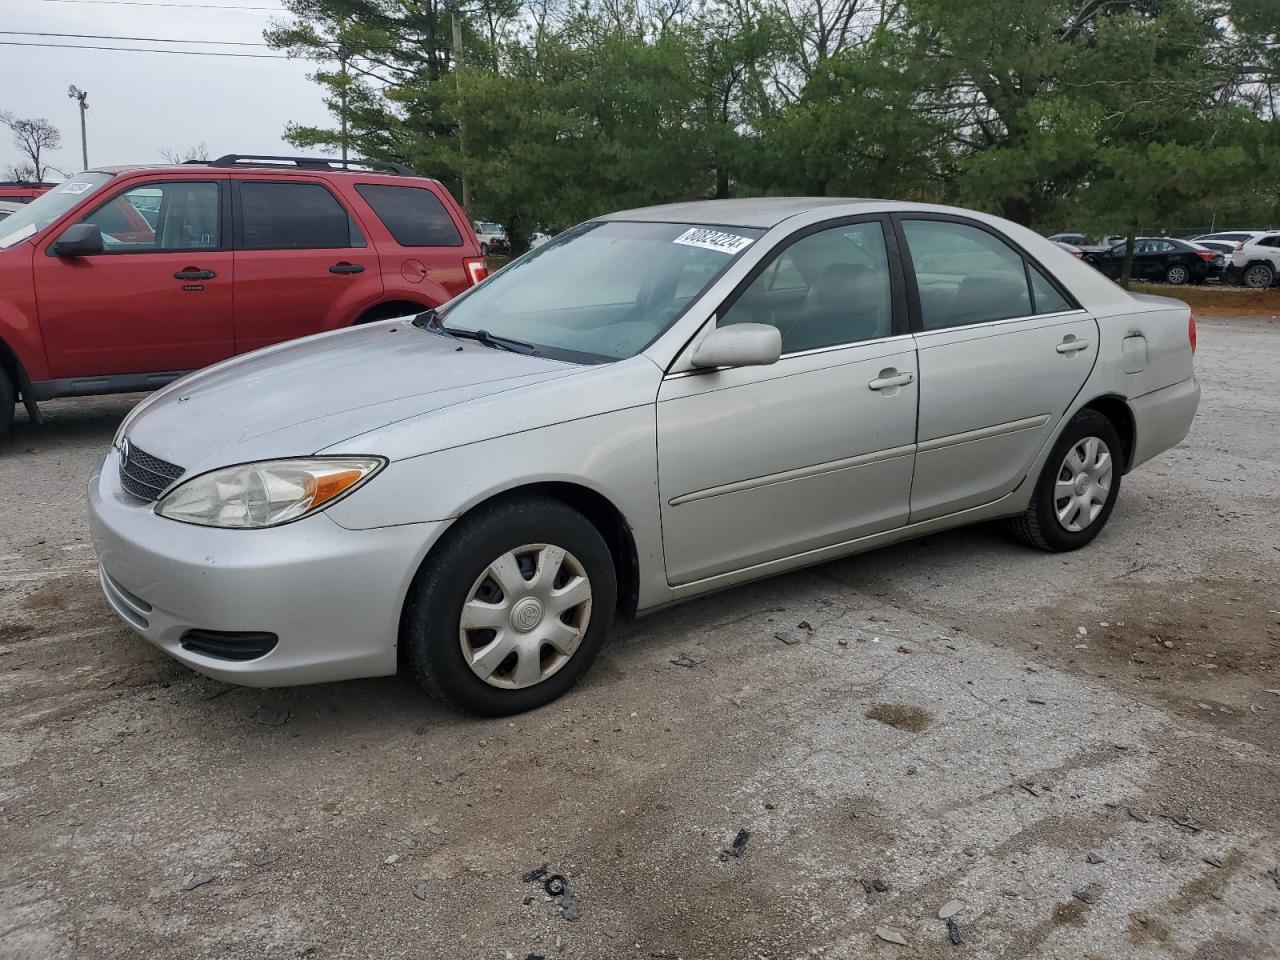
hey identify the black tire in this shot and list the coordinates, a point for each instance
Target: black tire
(1039, 525)
(1177, 274)
(484, 249)
(430, 646)
(8, 398)
(1259, 276)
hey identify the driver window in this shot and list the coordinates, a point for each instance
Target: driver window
(827, 289)
(159, 217)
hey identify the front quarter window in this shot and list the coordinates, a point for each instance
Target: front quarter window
(602, 291)
(50, 206)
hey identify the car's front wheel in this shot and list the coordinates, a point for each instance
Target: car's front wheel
(511, 609)
(1077, 488)
(1259, 276)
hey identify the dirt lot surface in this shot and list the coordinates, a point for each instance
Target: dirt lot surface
(1081, 751)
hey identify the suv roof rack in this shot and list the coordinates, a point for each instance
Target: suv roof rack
(306, 163)
(26, 183)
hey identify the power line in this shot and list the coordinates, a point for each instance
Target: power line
(158, 3)
(99, 36)
(180, 53)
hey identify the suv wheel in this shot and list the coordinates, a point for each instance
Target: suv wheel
(1177, 274)
(7, 400)
(1259, 276)
(511, 609)
(1077, 488)
(484, 249)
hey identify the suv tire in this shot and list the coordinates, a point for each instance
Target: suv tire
(1259, 276)
(484, 249)
(8, 398)
(495, 545)
(1063, 485)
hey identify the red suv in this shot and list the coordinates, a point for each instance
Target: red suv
(124, 279)
(22, 191)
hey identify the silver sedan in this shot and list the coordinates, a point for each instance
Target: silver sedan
(652, 405)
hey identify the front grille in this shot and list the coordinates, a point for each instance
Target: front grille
(229, 645)
(145, 476)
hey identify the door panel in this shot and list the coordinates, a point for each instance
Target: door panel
(761, 463)
(303, 264)
(124, 310)
(990, 397)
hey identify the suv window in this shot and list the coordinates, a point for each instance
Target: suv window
(160, 216)
(1271, 241)
(965, 275)
(292, 216)
(826, 289)
(414, 216)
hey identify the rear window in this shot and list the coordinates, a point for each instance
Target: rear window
(293, 216)
(414, 215)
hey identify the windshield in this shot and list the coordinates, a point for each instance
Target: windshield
(45, 209)
(601, 291)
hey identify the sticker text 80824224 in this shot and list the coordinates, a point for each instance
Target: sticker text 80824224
(717, 240)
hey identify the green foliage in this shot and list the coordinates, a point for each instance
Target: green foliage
(1095, 114)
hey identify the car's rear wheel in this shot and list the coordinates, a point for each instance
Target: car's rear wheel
(1077, 488)
(511, 609)
(484, 249)
(8, 398)
(1259, 276)
(1177, 274)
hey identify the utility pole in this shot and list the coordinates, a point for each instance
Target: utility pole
(455, 9)
(75, 93)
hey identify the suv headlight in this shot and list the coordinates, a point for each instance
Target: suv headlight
(267, 493)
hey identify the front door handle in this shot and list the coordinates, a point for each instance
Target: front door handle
(1071, 345)
(344, 267)
(194, 273)
(883, 382)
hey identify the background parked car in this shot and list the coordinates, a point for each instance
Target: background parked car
(1161, 259)
(538, 238)
(8, 206)
(1256, 260)
(1086, 243)
(126, 278)
(492, 237)
(21, 191)
(1071, 248)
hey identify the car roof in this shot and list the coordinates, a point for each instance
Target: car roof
(762, 212)
(273, 170)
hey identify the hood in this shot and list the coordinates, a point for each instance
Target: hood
(297, 398)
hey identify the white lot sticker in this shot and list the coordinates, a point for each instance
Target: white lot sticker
(716, 240)
(75, 187)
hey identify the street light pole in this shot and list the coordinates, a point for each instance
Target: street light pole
(75, 93)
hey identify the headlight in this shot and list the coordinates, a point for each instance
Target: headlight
(268, 493)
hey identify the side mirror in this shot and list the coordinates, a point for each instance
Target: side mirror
(739, 345)
(78, 241)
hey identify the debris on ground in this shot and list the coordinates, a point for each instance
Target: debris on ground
(555, 885)
(953, 931)
(1213, 862)
(804, 625)
(950, 909)
(739, 845)
(1084, 896)
(891, 936)
(270, 717)
(420, 889)
(790, 639)
(569, 906)
(880, 886)
(903, 648)
(537, 873)
(1138, 815)
(687, 660)
(194, 880)
(1093, 858)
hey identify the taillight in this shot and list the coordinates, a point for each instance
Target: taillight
(1239, 247)
(1191, 332)
(1205, 254)
(477, 269)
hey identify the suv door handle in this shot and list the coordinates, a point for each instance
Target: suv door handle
(1072, 345)
(344, 267)
(884, 383)
(194, 273)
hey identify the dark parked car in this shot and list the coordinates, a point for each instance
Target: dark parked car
(1162, 259)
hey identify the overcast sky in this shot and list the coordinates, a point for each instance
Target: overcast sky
(142, 103)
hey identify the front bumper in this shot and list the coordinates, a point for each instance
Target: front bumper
(333, 596)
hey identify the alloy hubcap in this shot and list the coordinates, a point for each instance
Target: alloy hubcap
(1083, 485)
(1257, 277)
(525, 616)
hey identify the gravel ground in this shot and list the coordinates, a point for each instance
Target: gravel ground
(1081, 751)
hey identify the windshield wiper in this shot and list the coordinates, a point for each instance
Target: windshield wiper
(429, 319)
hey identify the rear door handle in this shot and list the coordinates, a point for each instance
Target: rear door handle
(345, 267)
(1072, 345)
(193, 273)
(884, 383)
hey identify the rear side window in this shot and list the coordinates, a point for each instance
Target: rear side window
(292, 216)
(414, 216)
(1047, 298)
(965, 275)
